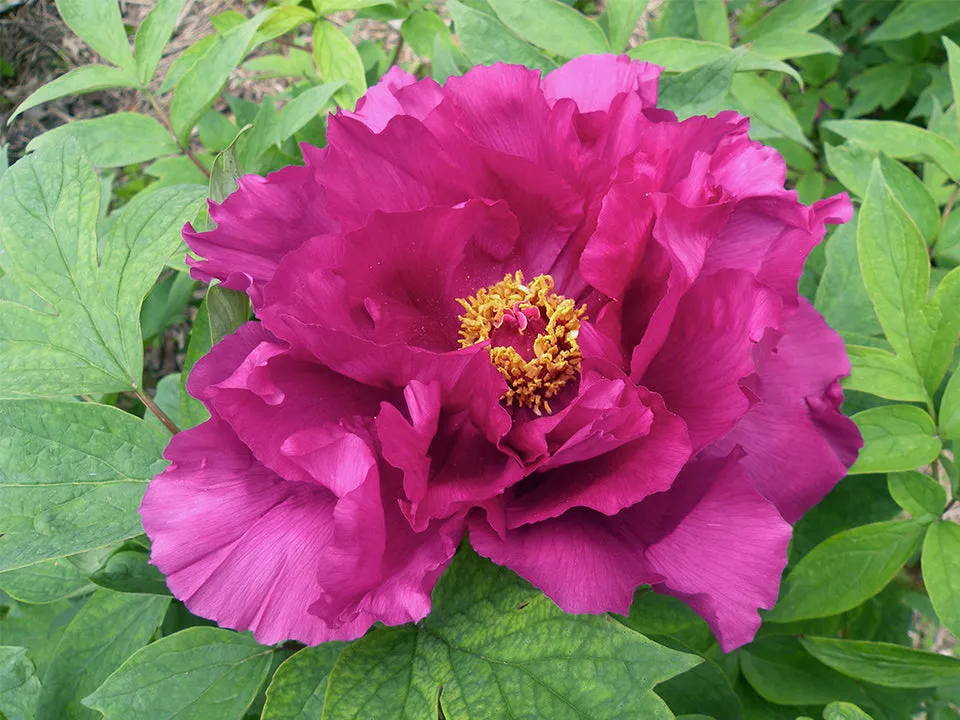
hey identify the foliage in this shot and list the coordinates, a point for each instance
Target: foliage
(857, 95)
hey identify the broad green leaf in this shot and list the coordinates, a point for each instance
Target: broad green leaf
(920, 495)
(203, 81)
(915, 16)
(895, 437)
(950, 409)
(186, 60)
(884, 374)
(699, 91)
(152, 36)
(944, 322)
(98, 24)
(797, 15)
(71, 478)
(199, 672)
(108, 629)
(885, 664)
(122, 138)
(338, 61)
(71, 320)
(45, 582)
(279, 21)
(879, 86)
(654, 614)
(19, 685)
(326, 7)
(712, 23)
(420, 30)
(682, 54)
(222, 312)
(552, 26)
(176, 170)
(495, 647)
(844, 711)
(84, 79)
(130, 571)
(941, 571)
(841, 296)
(760, 99)
(676, 18)
(788, 43)
(296, 64)
(705, 687)
(297, 689)
(165, 303)
(622, 17)
(486, 40)
(901, 141)
(847, 569)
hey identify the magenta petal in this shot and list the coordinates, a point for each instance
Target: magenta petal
(593, 81)
(238, 544)
(798, 444)
(709, 351)
(582, 560)
(397, 93)
(724, 547)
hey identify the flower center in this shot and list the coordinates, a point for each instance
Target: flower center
(533, 333)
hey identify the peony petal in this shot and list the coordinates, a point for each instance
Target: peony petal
(593, 81)
(397, 93)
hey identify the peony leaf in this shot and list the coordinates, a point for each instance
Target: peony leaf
(98, 24)
(153, 34)
(112, 140)
(885, 664)
(129, 571)
(790, 43)
(495, 647)
(46, 582)
(201, 672)
(621, 20)
(297, 689)
(797, 15)
(19, 685)
(944, 321)
(915, 16)
(895, 437)
(552, 26)
(846, 569)
(682, 54)
(844, 711)
(85, 492)
(760, 99)
(109, 628)
(841, 296)
(941, 571)
(338, 62)
(84, 79)
(901, 141)
(918, 494)
(884, 374)
(950, 409)
(486, 40)
(701, 90)
(712, 22)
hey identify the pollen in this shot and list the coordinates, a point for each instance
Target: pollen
(533, 337)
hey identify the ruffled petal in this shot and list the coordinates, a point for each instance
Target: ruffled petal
(593, 81)
(397, 93)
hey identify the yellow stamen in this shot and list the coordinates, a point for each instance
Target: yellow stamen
(556, 352)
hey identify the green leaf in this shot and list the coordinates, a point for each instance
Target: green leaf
(122, 138)
(226, 170)
(844, 711)
(326, 7)
(45, 582)
(203, 81)
(19, 686)
(152, 36)
(297, 689)
(941, 571)
(98, 24)
(622, 17)
(705, 687)
(918, 494)
(71, 478)
(944, 321)
(682, 54)
(895, 437)
(841, 296)
(879, 86)
(201, 672)
(846, 570)
(486, 40)
(884, 664)
(338, 61)
(165, 303)
(130, 571)
(186, 60)
(279, 21)
(915, 16)
(84, 79)
(71, 321)
(760, 99)
(167, 398)
(712, 23)
(495, 647)
(901, 141)
(788, 43)
(797, 15)
(552, 26)
(699, 91)
(421, 28)
(950, 409)
(884, 374)
(106, 631)
(222, 312)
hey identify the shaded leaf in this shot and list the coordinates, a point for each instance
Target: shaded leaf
(941, 571)
(884, 663)
(297, 689)
(895, 437)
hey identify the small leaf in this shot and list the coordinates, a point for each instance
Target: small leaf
(421, 28)
(226, 170)
(84, 79)
(895, 437)
(109, 628)
(486, 40)
(885, 664)
(759, 98)
(622, 17)
(19, 685)
(682, 54)
(552, 26)
(950, 409)
(847, 569)
(884, 374)
(797, 15)
(918, 494)
(98, 24)
(201, 672)
(338, 61)
(153, 34)
(297, 689)
(702, 90)
(844, 711)
(784, 44)
(901, 141)
(915, 16)
(122, 138)
(941, 571)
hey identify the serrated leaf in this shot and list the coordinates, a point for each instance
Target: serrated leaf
(901, 141)
(122, 138)
(300, 683)
(498, 647)
(45, 582)
(98, 24)
(338, 61)
(702, 90)
(797, 15)
(846, 569)
(71, 320)
(789, 43)
(71, 478)
(19, 685)
(884, 374)
(84, 79)
(108, 629)
(915, 16)
(950, 409)
(884, 664)
(153, 34)
(486, 40)
(918, 494)
(760, 99)
(622, 17)
(941, 571)
(552, 26)
(895, 437)
(682, 54)
(199, 672)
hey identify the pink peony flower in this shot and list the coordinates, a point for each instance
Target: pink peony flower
(538, 310)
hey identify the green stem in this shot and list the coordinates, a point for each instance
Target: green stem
(166, 122)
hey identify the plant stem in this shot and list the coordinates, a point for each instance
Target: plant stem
(166, 122)
(155, 409)
(397, 51)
